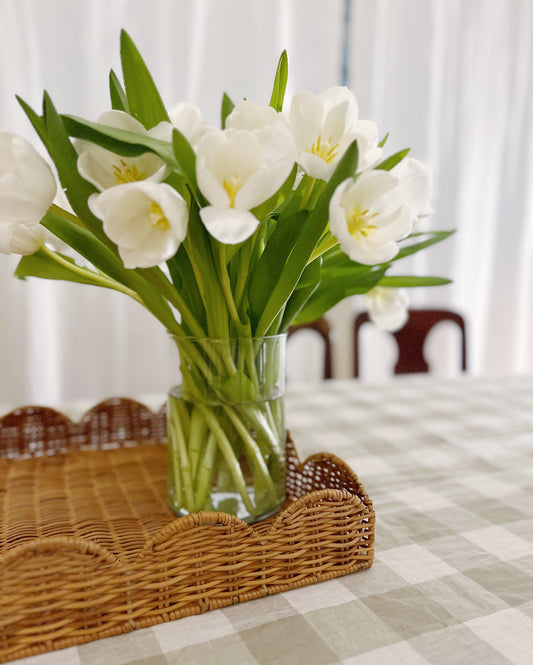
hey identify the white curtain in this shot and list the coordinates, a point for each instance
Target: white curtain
(451, 79)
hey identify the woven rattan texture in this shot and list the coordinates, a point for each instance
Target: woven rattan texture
(89, 548)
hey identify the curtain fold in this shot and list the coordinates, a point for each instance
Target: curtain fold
(452, 79)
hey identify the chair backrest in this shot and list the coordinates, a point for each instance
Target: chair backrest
(411, 338)
(322, 328)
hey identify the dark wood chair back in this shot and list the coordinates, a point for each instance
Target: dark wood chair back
(411, 338)
(322, 328)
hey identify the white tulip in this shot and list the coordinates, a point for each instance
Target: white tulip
(369, 216)
(27, 185)
(236, 171)
(325, 125)
(22, 238)
(251, 116)
(415, 184)
(272, 131)
(147, 220)
(387, 308)
(105, 169)
(188, 119)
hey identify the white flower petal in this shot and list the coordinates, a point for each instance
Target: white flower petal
(324, 127)
(415, 185)
(242, 168)
(335, 124)
(366, 134)
(121, 120)
(315, 166)
(162, 131)
(6, 233)
(370, 253)
(263, 184)
(336, 121)
(396, 225)
(368, 218)
(147, 221)
(96, 165)
(339, 95)
(259, 187)
(228, 225)
(251, 116)
(229, 153)
(188, 119)
(21, 238)
(105, 169)
(388, 308)
(210, 186)
(305, 119)
(371, 187)
(27, 185)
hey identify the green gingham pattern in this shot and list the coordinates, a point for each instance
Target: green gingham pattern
(449, 466)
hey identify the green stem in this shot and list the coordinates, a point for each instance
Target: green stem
(202, 262)
(173, 457)
(178, 437)
(206, 471)
(98, 279)
(197, 436)
(252, 449)
(226, 286)
(158, 279)
(229, 456)
(244, 271)
(196, 269)
(266, 425)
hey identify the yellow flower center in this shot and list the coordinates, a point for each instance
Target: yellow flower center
(324, 149)
(232, 186)
(157, 217)
(359, 225)
(127, 173)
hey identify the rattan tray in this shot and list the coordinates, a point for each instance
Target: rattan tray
(89, 548)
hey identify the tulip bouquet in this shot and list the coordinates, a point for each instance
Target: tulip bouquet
(223, 234)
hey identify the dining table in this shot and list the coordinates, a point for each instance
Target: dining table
(448, 465)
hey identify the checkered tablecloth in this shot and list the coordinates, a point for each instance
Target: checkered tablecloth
(449, 466)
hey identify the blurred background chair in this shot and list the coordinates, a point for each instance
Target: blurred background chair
(314, 329)
(411, 339)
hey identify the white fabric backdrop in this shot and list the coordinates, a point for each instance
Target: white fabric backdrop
(452, 79)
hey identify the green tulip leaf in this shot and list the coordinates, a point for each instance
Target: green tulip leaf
(226, 108)
(311, 232)
(119, 99)
(280, 83)
(144, 100)
(334, 289)
(390, 162)
(308, 284)
(103, 258)
(412, 281)
(384, 140)
(186, 160)
(273, 261)
(43, 266)
(119, 141)
(65, 159)
(414, 247)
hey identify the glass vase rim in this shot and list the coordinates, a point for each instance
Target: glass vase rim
(231, 338)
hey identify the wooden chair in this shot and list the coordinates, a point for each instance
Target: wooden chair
(322, 328)
(411, 338)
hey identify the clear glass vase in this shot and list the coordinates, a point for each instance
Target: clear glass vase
(225, 427)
